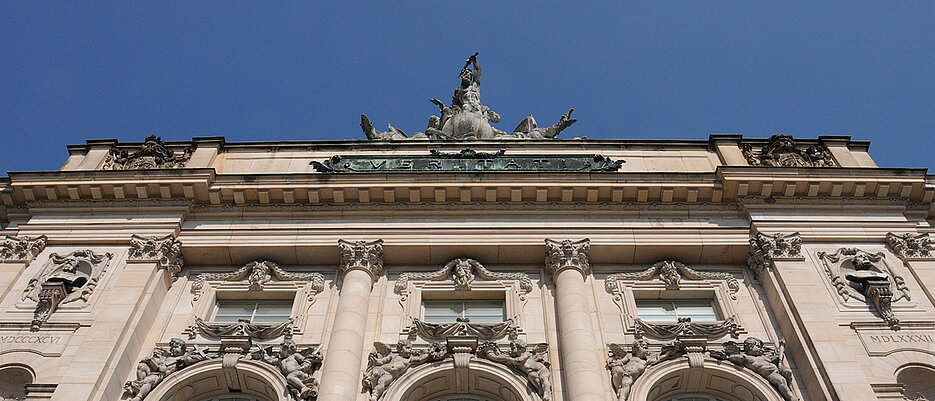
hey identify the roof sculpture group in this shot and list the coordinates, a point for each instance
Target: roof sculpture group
(467, 119)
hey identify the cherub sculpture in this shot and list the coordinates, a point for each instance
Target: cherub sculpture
(625, 367)
(296, 365)
(765, 363)
(151, 370)
(384, 366)
(532, 364)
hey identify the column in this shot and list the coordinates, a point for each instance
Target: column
(361, 261)
(582, 370)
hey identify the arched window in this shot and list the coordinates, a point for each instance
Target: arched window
(693, 397)
(918, 380)
(13, 381)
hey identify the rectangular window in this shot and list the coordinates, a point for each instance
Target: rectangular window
(257, 311)
(670, 310)
(476, 310)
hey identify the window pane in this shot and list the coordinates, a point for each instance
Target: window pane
(484, 311)
(441, 311)
(478, 311)
(229, 311)
(272, 311)
(656, 311)
(258, 311)
(670, 310)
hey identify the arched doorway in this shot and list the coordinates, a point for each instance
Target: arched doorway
(13, 381)
(917, 380)
(694, 397)
(234, 397)
(482, 380)
(717, 381)
(247, 380)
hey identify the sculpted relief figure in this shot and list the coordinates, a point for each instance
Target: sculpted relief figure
(296, 365)
(384, 366)
(151, 370)
(765, 363)
(65, 279)
(467, 119)
(625, 367)
(531, 364)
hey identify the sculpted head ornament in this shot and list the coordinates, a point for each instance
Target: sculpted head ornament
(567, 254)
(362, 255)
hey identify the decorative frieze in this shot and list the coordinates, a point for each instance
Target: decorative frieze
(685, 327)
(241, 328)
(531, 363)
(153, 154)
(567, 254)
(385, 364)
(781, 151)
(482, 331)
(858, 274)
(166, 251)
(259, 273)
(362, 255)
(767, 363)
(910, 246)
(21, 248)
(769, 247)
(462, 272)
(65, 279)
(671, 273)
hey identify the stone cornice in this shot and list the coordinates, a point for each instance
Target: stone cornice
(567, 254)
(362, 255)
(166, 251)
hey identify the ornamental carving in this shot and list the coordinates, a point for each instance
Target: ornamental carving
(296, 365)
(767, 363)
(64, 279)
(766, 247)
(462, 272)
(483, 331)
(627, 365)
(385, 365)
(21, 248)
(242, 327)
(467, 161)
(909, 245)
(685, 327)
(467, 119)
(567, 254)
(781, 151)
(167, 251)
(531, 363)
(861, 275)
(363, 255)
(671, 273)
(150, 371)
(153, 154)
(258, 274)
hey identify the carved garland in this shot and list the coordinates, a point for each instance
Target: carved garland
(259, 273)
(671, 273)
(462, 272)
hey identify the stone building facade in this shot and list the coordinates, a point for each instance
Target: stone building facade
(508, 269)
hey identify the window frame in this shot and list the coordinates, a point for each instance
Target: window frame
(256, 304)
(718, 315)
(464, 302)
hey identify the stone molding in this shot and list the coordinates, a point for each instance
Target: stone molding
(910, 245)
(567, 254)
(166, 251)
(462, 271)
(767, 248)
(15, 249)
(362, 255)
(258, 273)
(671, 273)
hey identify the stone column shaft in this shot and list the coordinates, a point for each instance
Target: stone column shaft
(340, 377)
(583, 372)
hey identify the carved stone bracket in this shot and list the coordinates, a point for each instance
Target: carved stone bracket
(532, 363)
(567, 254)
(241, 328)
(462, 271)
(671, 273)
(21, 248)
(259, 273)
(154, 154)
(685, 327)
(781, 151)
(767, 248)
(63, 280)
(910, 246)
(858, 274)
(362, 255)
(166, 251)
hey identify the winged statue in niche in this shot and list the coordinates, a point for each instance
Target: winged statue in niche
(467, 119)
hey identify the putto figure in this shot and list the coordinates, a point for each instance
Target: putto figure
(532, 364)
(151, 370)
(765, 363)
(296, 365)
(467, 119)
(384, 366)
(625, 367)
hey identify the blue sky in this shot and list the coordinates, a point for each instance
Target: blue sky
(71, 71)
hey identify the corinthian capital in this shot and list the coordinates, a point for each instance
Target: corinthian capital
(362, 255)
(769, 247)
(165, 251)
(567, 254)
(909, 245)
(21, 248)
